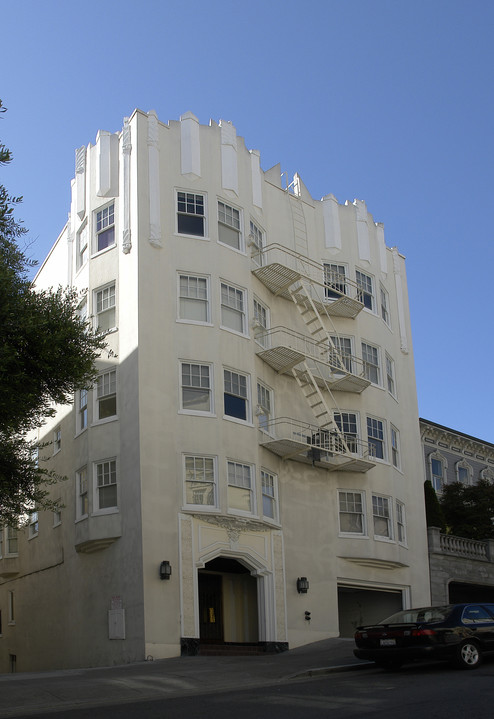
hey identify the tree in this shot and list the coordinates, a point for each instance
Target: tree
(469, 510)
(46, 353)
(433, 511)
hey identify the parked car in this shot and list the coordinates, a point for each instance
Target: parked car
(460, 633)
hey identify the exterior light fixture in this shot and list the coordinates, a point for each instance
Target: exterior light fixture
(165, 570)
(302, 585)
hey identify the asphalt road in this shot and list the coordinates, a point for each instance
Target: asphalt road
(426, 691)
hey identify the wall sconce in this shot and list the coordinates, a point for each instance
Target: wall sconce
(165, 570)
(302, 585)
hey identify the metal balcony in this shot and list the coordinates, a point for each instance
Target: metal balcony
(284, 349)
(279, 269)
(292, 439)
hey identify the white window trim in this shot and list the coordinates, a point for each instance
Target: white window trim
(267, 518)
(105, 510)
(255, 249)
(385, 458)
(184, 320)
(403, 542)
(390, 519)
(196, 412)
(257, 327)
(248, 420)
(78, 425)
(354, 535)
(444, 462)
(372, 294)
(241, 512)
(114, 306)
(387, 358)
(206, 223)
(78, 514)
(95, 252)
(258, 410)
(241, 234)
(201, 507)
(57, 439)
(382, 289)
(392, 429)
(84, 228)
(57, 517)
(245, 322)
(379, 366)
(33, 527)
(96, 399)
(7, 552)
(327, 287)
(463, 464)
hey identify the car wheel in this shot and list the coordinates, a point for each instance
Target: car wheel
(468, 655)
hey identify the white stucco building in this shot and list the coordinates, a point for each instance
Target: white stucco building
(254, 423)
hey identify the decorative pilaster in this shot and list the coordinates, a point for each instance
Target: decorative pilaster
(255, 164)
(229, 172)
(381, 246)
(154, 180)
(80, 181)
(400, 301)
(331, 217)
(126, 151)
(362, 230)
(190, 146)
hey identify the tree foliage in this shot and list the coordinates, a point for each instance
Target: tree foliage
(469, 510)
(433, 512)
(46, 353)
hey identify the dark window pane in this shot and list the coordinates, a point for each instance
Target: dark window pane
(235, 406)
(191, 225)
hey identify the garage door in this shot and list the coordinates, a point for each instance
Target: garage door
(358, 606)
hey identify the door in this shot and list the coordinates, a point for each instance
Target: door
(210, 607)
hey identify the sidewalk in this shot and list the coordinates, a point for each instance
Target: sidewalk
(33, 693)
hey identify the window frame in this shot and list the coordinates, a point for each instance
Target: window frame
(395, 446)
(373, 440)
(251, 489)
(401, 530)
(384, 305)
(262, 405)
(389, 519)
(82, 250)
(106, 228)
(257, 241)
(11, 539)
(334, 289)
(57, 439)
(33, 526)
(345, 420)
(214, 483)
(259, 327)
(97, 508)
(230, 224)
(111, 307)
(437, 457)
(366, 290)
(345, 511)
(206, 301)
(272, 499)
(247, 399)
(242, 312)
(463, 465)
(204, 216)
(191, 387)
(82, 493)
(371, 367)
(105, 398)
(82, 405)
(390, 375)
(342, 343)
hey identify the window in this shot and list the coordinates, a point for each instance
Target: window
(196, 387)
(376, 438)
(390, 376)
(269, 495)
(193, 298)
(463, 473)
(106, 484)
(347, 423)
(105, 308)
(400, 522)
(57, 440)
(240, 487)
(10, 599)
(106, 394)
(82, 247)
(191, 216)
(365, 291)
(82, 508)
(229, 226)
(233, 308)
(256, 238)
(261, 323)
(82, 410)
(236, 395)
(437, 473)
(384, 305)
(351, 512)
(200, 481)
(334, 281)
(12, 542)
(57, 517)
(105, 228)
(263, 406)
(381, 512)
(82, 310)
(370, 356)
(33, 525)
(340, 358)
(395, 447)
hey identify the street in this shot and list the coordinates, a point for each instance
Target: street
(432, 691)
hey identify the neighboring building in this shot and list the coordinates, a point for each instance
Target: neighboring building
(254, 427)
(461, 569)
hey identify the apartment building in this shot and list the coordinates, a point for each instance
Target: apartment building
(247, 470)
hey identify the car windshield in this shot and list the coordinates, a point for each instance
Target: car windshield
(416, 616)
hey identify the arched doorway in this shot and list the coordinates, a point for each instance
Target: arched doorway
(228, 608)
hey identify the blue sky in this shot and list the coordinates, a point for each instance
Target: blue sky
(389, 101)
